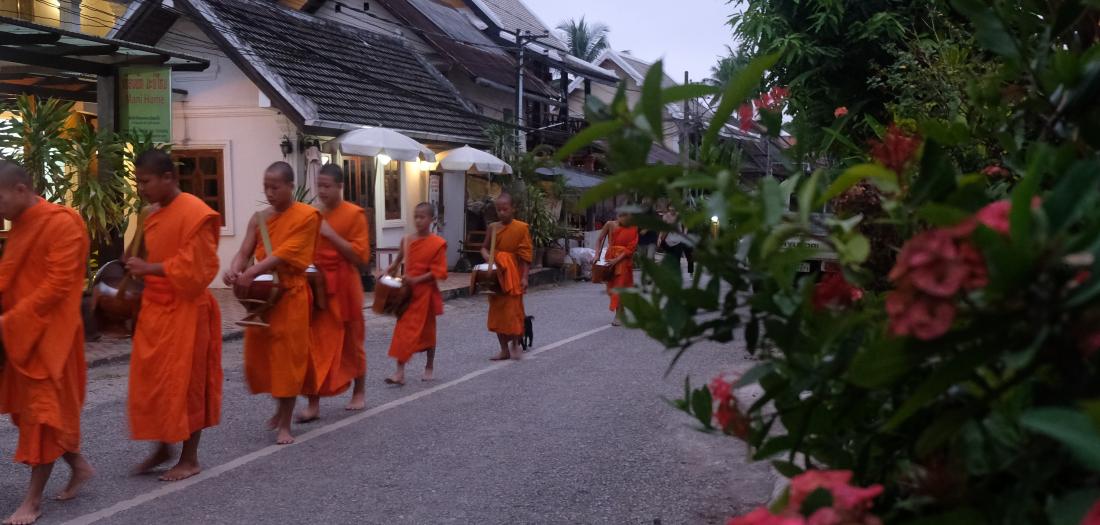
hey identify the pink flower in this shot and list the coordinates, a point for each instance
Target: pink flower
(744, 117)
(922, 316)
(840, 112)
(1093, 516)
(896, 149)
(938, 263)
(825, 516)
(835, 292)
(727, 411)
(994, 171)
(807, 482)
(995, 216)
(762, 516)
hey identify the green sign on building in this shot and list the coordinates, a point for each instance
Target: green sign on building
(145, 101)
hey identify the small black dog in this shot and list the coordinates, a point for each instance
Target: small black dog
(528, 339)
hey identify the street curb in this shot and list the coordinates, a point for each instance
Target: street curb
(543, 277)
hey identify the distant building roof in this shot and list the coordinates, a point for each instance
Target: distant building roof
(452, 32)
(514, 14)
(329, 76)
(573, 177)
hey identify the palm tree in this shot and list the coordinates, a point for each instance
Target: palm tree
(585, 41)
(727, 67)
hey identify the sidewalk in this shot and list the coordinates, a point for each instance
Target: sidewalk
(114, 348)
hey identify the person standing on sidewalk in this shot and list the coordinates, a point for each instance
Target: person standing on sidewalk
(424, 255)
(675, 243)
(42, 369)
(176, 363)
(276, 357)
(513, 259)
(622, 241)
(337, 357)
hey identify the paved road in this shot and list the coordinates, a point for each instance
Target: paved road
(577, 433)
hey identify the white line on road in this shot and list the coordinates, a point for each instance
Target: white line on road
(234, 464)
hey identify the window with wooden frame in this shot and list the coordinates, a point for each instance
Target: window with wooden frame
(392, 187)
(202, 174)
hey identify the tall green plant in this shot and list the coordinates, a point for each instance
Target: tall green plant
(101, 188)
(36, 138)
(586, 41)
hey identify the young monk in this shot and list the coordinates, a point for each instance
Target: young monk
(513, 259)
(425, 257)
(337, 356)
(43, 371)
(622, 240)
(175, 367)
(276, 357)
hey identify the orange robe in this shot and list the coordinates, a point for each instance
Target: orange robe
(337, 332)
(506, 314)
(276, 358)
(623, 241)
(415, 330)
(176, 364)
(41, 284)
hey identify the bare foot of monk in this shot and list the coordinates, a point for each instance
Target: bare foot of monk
(161, 455)
(273, 423)
(284, 437)
(311, 413)
(182, 470)
(26, 514)
(82, 472)
(502, 356)
(428, 375)
(395, 380)
(358, 401)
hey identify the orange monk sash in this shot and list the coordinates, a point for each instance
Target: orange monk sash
(340, 275)
(509, 273)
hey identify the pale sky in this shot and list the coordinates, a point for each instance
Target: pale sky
(689, 34)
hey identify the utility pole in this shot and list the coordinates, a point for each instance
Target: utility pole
(522, 38)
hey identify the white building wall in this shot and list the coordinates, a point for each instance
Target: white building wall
(224, 110)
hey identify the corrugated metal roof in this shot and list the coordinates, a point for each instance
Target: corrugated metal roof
(514, 14)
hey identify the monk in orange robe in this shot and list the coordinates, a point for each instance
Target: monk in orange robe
(42, 370)
(622, 240)
(425, 257)
(336, 354)
(276, 358)
(175, 367)
(513, 260)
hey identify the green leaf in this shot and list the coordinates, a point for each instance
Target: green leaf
(738, 89)
(957, 369)
(806, 197)
(650, 177)
(944, 428)
(702, 405)
(774, 204)
(937, 175)
(885, 179)
(587, 136)
(818, 499)
(787, 468)
(1075, 193)
(754, 375)
(879, 364)
(651, 105)
(683, 92)
(855, 250)
(1071, 428)
(1020, 217)
(990, 30)
(941, 215)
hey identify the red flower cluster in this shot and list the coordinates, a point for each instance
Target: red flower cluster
(840, 111)
(770, 101)
(835, 292)
(727, 412)
(1093, 515)
(994, 171)
(896, 149)
(934, 267)
(851, 504)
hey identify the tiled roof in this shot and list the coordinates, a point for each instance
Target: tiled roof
(335, 75)
(453, 33)
(514, 14)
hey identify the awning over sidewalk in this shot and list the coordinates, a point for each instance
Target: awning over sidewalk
(51, 62)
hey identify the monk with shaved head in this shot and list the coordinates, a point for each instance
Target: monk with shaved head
(43, 372)
(175, 366)
(513, 260)
(276, 357)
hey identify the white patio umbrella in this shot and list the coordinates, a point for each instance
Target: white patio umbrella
(470, 159)
(377, 142)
